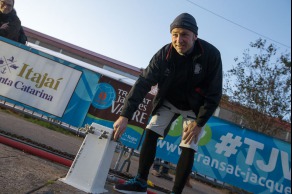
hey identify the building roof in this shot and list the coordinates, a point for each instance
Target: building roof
(237, 109)
(82, 52)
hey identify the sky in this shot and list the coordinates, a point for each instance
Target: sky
(132, 31)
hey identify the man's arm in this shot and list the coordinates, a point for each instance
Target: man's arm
(213, 91)
(212, 95)
(143, 85)
(119, 127)
(11, 29)
(147, 79)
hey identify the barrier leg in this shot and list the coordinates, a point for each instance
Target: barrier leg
(90, 168)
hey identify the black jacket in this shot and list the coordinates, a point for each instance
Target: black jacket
(204, 88)
(10, 25)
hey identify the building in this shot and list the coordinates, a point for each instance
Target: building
(82, 54)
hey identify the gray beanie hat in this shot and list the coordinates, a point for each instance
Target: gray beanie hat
(185, 21)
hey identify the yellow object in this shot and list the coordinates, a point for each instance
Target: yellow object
(150, 183)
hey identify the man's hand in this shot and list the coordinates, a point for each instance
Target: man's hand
(119, 127)
(191, 133)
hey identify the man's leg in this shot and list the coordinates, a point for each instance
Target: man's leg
(156, 128)
(183, 169)
(147, 154)
(186, 160)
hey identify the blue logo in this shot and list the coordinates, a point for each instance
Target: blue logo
(105, 95)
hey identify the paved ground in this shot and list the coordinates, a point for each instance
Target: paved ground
(24, 173)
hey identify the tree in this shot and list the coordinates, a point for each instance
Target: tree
(261, 84)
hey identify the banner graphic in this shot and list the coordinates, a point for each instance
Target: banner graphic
(36, 81)
(240, 157)
(108, 104)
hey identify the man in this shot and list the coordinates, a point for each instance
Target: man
(189, 76)
(10, 24)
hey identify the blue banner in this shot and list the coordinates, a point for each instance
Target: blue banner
(15, 57)
(240, 157)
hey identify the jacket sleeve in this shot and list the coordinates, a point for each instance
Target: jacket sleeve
(213, 90)
(11, 28)
(148, 78)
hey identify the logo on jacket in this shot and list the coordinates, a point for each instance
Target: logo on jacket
(198, 68)
(167, 72)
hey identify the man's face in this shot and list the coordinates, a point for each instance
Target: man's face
(183, 40)
(6, 6)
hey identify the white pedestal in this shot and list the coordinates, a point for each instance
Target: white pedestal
(92, 163)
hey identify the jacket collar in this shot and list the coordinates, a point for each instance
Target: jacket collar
(197, 52)
(12, 13)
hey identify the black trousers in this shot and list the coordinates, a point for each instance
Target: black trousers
(147, 156)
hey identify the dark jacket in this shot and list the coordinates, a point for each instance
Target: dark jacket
(204, 88)
(10, 25)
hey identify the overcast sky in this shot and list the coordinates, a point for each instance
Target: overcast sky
(132, 31)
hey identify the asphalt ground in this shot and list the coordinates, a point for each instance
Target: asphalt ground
(25, 173)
